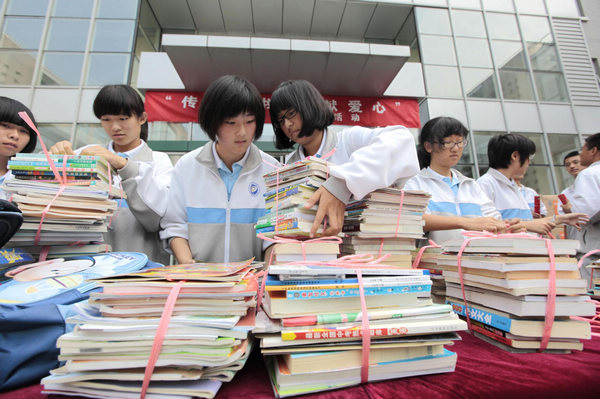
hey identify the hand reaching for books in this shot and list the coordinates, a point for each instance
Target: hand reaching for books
(540, 226)
(490, 224)
(574, 219)
(329, 207)
(63, 148)
(115, 160)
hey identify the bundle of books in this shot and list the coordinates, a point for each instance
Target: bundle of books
(205, 343)
(290, 187)
(595, 276)
(79, 214)
(506, 282)
(428, 261)
(311, 329)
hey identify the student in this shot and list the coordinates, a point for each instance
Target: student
(509, 156)
(457, 202)
(572, 162)
(529, 194)
(586, 198)
(217, 190)
(364, 159)
(144, 174)
(15, 136)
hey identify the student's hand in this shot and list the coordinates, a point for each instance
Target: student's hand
(515, 225)
(181, 249)
(113, 159)
(490, 224)
(574, 219)
(62, 147)
(567, 208)
(536, 215)
(329, 207)
(540, 226)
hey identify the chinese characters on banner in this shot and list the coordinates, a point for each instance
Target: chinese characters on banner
(169, 106)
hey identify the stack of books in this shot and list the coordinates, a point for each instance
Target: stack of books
(506, 287)
(290, 187)
(79, 214)
(319, 250)
(205, 343)
(311, 329)
(429, 261)
(385, 222)
(595, 276)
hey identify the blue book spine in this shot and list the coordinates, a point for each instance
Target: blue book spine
(287, 190)
(272, 280)
(354, 292)
(292, 224)
(482, 316)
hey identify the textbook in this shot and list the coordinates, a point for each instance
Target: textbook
(561, 328)
(513, 246)
(298, 170)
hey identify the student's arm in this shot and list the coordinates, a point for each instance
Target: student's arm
(181, 250)
(440, 222)
(147, 187)
(62, 147)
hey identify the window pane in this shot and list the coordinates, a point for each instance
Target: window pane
(473, 52)
(479, 83)
(508, 55)
(107, 69)
(90, 133)
(543, 57)
(53, 133)
(551, 86)
(480, 145)
(516, 85)
(561, 145)
(73, 8)
(564, 8)
(437, 50)
(465, 4)
(433, 20)
(27, 7)
(198, 134)
(502, 26)
(113, 36)
(442, 81)
(61, 69)
(22, 33)
(151, 27)
(541, 156)
(169, 131)
(539, 178)
(530, 6)
(536, 29)
(498, 5)
(118, 9)
(16, 67)
(68, 34)
(468, 23)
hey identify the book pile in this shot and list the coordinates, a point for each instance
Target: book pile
(290, 187)
(205, 342)
(311, 329)
(595, 276)
(428, 261)
(379, 224)
(506, 283)
(79, 214)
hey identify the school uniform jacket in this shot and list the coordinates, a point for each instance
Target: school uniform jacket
(217, 229)
(470, 200)
(135, 225)
(365, 159)
(505, 194)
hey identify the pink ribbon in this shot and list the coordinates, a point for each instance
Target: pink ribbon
(159, 337)
(366, 332)
(551, 300)
(417, 260)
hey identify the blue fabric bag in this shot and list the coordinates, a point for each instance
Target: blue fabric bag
(29, 329)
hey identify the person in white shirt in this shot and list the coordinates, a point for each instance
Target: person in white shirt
(586, 198)
(364, 159)
(529, 194)
(509, 155)
(15, 136)
(572, 162)
(457, 202)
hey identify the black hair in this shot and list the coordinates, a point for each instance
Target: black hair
(501, 147)
(120, 100)
(434, 132)
(571, 154)
(593, 141)
(9, 112)
(302, 96)
(226, 97)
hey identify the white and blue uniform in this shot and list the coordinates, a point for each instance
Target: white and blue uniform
(145, 179)
(7, 176)
(215, 209)
(459, 196)
(365, 159)
(505, 195)
(529, 194)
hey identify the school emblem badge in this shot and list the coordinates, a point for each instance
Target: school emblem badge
(253, 189)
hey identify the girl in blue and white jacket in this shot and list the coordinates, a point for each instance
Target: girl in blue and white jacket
(457, 202)
(364, 159)
(217, 190)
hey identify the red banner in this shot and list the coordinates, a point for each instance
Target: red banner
(181, 106)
